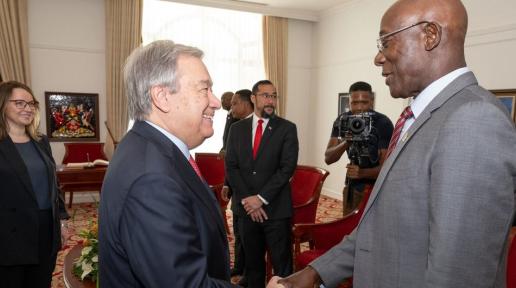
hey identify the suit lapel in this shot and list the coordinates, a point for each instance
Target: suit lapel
(247, 137)
(453, 88)
(188, 175)
(49, 163)
(17, 164)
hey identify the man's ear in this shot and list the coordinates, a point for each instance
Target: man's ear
(253, 99)
(160, 98)
(433, 33)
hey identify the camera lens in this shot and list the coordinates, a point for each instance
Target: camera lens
(357, 125)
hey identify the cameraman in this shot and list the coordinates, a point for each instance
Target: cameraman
(361, 100)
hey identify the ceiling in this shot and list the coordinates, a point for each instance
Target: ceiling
(309, 5)
(297, 9)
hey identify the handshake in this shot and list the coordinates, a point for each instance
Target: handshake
(306, 278)
(273, 283)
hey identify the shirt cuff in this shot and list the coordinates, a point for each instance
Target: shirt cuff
(262, 199)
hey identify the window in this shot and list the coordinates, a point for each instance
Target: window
(231, 41)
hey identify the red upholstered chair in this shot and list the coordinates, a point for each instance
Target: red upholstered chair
(211, 166)
(323, 236)
(212, 170)
(305, 185)
(511, 260)
(83, 152)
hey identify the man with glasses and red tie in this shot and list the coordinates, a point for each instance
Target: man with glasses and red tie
(261, 156)
(441, 209)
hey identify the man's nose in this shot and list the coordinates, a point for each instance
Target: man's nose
(214, 101)
(379, 59)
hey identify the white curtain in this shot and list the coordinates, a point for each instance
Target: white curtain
(231, 41)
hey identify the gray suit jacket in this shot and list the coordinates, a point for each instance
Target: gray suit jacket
(442, 206)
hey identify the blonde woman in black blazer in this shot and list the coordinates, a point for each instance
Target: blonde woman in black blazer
(30, 203)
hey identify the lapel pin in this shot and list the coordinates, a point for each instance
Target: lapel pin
(270, 128)
(405, 137)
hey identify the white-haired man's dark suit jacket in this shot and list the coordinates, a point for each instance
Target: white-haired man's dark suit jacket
(160, 225)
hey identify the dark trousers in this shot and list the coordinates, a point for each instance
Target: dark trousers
(36, 275)
(274, 235)
(239, 247)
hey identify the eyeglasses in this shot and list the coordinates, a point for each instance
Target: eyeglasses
(269, 96)
(380, 42)
(22, 104)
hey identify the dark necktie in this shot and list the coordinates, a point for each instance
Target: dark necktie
(257, 138)
(406, 114)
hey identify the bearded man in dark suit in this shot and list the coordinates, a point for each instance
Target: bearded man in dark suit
(261, 157)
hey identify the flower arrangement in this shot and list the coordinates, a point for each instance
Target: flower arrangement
(87, 266)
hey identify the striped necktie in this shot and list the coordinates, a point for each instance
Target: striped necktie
(406, 114)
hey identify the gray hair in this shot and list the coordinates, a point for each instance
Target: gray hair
(152, 65)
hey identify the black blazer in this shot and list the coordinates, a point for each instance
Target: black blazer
(160, 224)
(19, 208)
(270, 173)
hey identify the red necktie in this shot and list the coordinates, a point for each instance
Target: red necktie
(406, 114)
(257, 138)
(195, 167)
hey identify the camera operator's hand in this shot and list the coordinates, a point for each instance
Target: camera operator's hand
(336, 147)
(353, 172)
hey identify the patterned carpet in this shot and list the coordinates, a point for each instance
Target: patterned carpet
(329, 209)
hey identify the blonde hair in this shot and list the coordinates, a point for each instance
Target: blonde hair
(6, 91)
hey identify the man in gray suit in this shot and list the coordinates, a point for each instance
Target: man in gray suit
(443, 203)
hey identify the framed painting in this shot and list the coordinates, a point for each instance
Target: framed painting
(343, 103)
(72, 116)
(508, 99)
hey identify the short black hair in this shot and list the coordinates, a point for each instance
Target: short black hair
(261, 82)
(245, 95)
(362, 86)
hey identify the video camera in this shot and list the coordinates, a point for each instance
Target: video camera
(358, 130)
(358, 126)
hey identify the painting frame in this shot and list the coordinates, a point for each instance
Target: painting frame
(508, 99)
(343, 103)
(72, 117)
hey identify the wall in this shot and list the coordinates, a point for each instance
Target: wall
(300, 100)
(67, 43)
(343, 51)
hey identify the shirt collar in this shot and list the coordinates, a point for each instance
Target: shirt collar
(255, 121)
(431, 91)
(180, 144)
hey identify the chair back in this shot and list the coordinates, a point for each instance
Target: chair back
(306, 185)
(77, 152)
(324, 240)
(511, 261)
(211, 166)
